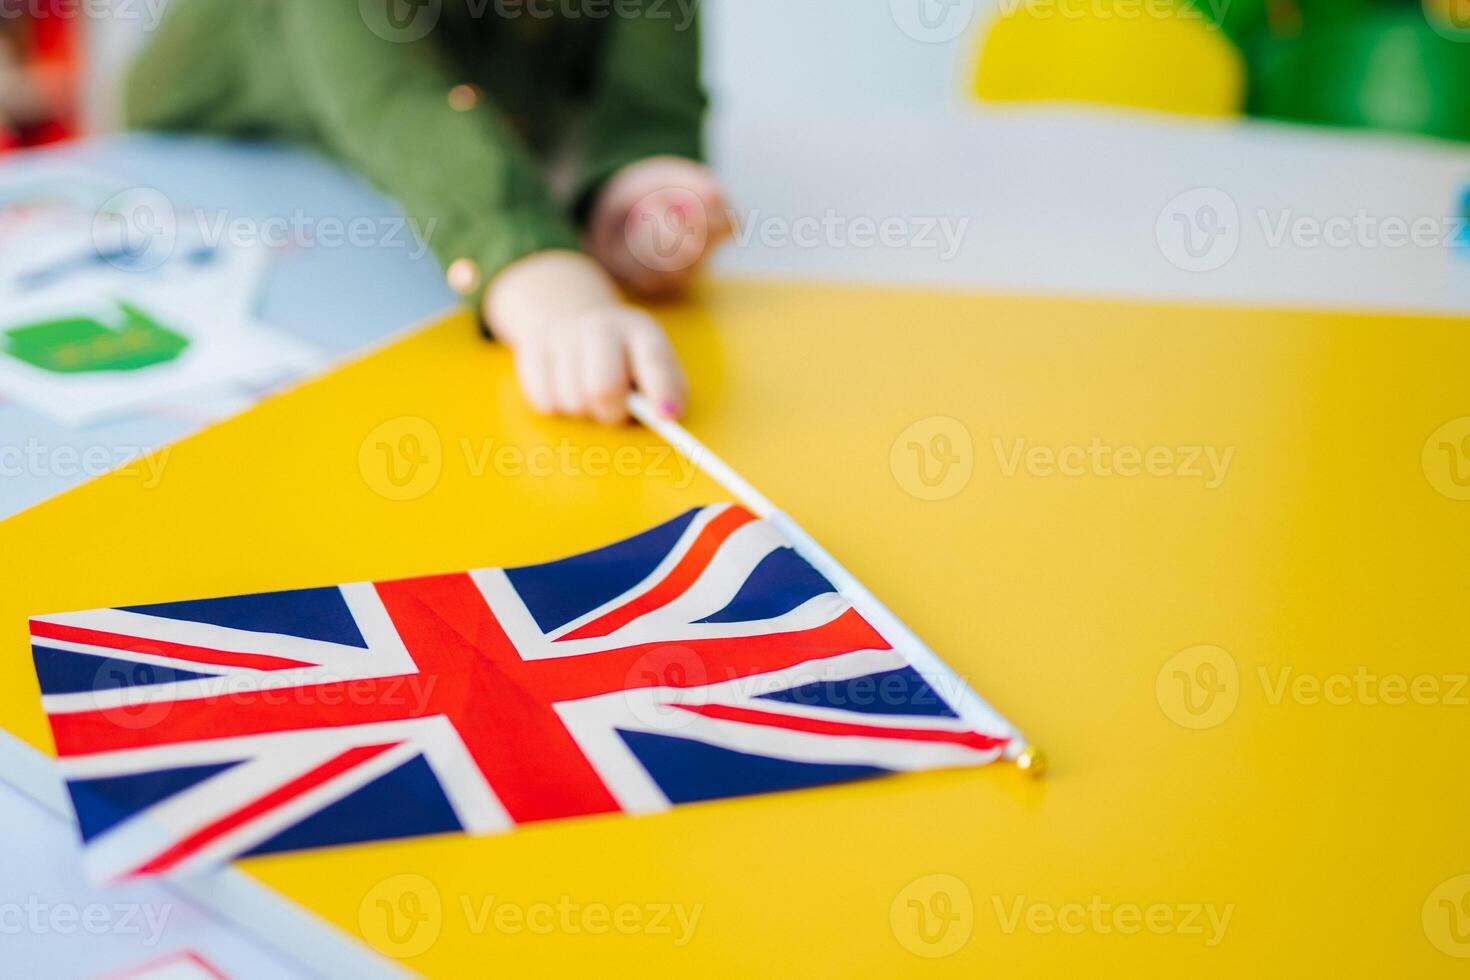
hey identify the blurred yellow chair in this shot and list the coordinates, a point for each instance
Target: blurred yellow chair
(1147, 54)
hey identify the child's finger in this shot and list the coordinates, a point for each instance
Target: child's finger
(721, 225)
(716, 211)
(566, 386)
(656, 370)
(533, 371)
(605, 378)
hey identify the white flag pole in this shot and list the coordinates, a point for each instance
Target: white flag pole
(966, 701)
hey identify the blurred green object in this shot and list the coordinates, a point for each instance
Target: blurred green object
(1239, 19)
(82, 343)
(1248, 20)
(1388, 68)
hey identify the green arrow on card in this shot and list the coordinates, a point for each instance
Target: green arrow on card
(74, 345)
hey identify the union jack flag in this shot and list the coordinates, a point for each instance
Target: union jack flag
(704, 658)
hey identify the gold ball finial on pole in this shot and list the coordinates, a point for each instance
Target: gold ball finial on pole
(1032, 761)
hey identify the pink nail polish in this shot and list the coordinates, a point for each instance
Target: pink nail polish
(669, 409)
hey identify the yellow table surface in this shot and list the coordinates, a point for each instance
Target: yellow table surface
(1301, 830)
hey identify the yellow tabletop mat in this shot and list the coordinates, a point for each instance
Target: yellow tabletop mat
(1213, 560)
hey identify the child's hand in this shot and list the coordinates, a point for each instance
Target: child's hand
(578, 348)
(656, 221)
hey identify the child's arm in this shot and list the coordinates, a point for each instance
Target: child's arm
(649, 100)
(654, 211)
(485, 209)
(464, 177)
(452, 161)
